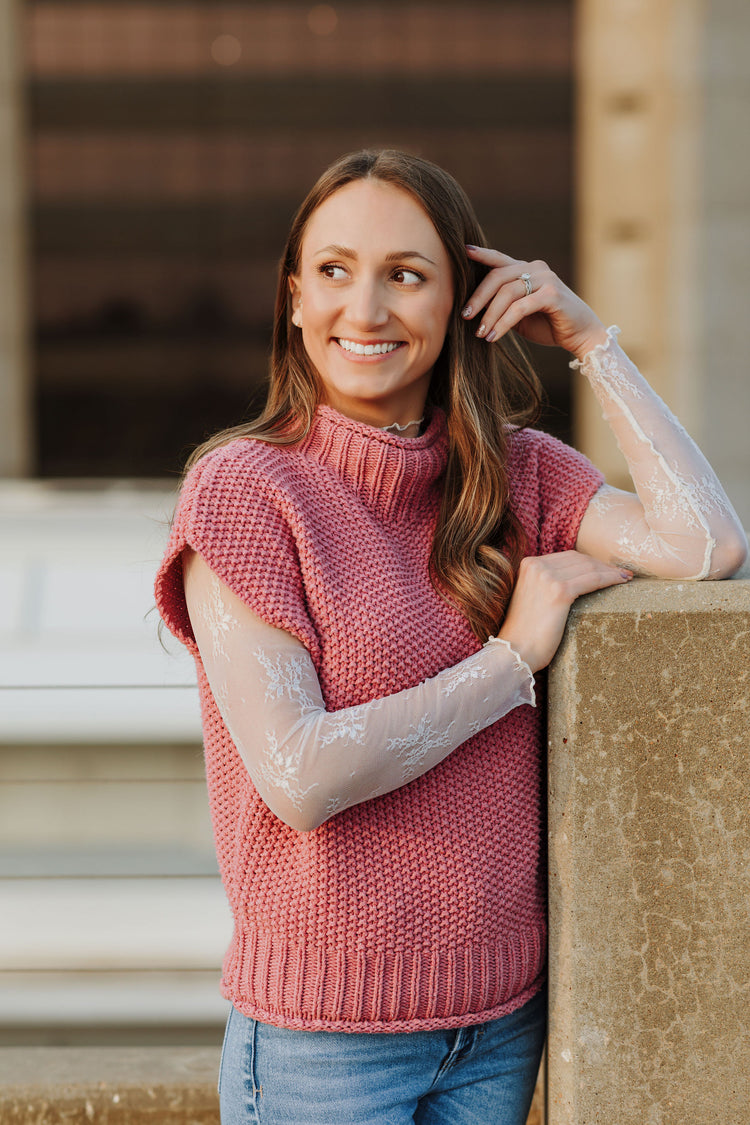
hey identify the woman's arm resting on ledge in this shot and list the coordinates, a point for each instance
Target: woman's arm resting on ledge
(680, 524)
(308, 763)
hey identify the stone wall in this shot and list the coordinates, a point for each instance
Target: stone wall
(649, 838)
(663, 205)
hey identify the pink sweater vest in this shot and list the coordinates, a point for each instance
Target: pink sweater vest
(424, 908)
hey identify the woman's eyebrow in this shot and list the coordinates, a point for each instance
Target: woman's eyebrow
(399, 256)
(394, 256)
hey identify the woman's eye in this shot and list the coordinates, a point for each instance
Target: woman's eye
(407, 277)
(330, 269)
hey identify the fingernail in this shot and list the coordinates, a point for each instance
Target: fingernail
(481, 330)
(470, 247)
(467, 311)
(491, 336)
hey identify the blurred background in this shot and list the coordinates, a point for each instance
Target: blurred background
(169, 146)
(151, 158)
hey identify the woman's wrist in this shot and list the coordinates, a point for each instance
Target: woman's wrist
(522, 649)
(519, 663)
(596, 337)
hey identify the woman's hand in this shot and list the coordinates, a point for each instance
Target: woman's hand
(546, 588)
(550, 313)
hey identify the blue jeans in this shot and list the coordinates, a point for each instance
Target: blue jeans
(480, 1075)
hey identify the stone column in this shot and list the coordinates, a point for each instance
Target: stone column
(664, 213)
(15, 408)
(649, 836)
(723, 276)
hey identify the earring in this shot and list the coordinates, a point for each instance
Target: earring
(297, 315)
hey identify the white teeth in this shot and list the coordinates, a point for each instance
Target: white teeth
(367, 349)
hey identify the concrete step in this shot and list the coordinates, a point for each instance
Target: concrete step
(111, 1086)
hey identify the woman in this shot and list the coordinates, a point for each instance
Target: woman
(369, 577)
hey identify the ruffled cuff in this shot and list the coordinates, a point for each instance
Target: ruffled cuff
(593, 361)
(519, 665)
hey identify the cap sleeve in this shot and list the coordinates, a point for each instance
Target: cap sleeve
(567, 481)
(552, 486)
(242, 526)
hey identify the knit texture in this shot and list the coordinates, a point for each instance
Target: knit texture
(424, 908)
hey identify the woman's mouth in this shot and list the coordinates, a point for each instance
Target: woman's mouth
(382, 347)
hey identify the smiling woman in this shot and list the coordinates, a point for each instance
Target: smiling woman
(368, 610)
(375, 312)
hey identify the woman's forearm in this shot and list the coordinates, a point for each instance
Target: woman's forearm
(682, 524)
(308, 763)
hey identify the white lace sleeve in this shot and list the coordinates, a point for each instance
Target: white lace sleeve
(681, 524)
(307, 763)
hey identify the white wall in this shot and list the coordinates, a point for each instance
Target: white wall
(111, 908)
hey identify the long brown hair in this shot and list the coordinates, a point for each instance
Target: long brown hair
(485, 391)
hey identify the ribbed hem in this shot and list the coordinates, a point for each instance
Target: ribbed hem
(320, 989)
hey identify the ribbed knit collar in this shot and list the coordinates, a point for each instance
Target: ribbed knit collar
(391, 474)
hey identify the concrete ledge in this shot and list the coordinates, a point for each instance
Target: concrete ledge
(649, 838)
(121, 1086)
(109, 1086)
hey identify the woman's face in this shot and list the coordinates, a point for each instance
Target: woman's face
(376, 287)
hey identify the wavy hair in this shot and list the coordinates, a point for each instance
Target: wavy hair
(486, 391)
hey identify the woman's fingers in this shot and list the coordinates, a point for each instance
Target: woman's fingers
(545, 589)
(488, 256)
(508, 294)
(531, 298)
(558, 579)
(576, 573)
(508, 280)
(493, 305)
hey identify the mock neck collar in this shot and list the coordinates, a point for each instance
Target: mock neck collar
(390, 473)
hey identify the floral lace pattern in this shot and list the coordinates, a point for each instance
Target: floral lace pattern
(280, 771)
(285, 679)
(307, 763)
(217, 617)
(678, 522)
(412, 748)
(605, 500)
(461, 675)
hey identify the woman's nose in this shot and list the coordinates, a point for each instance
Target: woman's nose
(367, 306)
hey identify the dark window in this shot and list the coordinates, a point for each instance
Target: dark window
(170, 145)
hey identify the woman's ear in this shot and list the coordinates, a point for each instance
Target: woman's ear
(294, 289)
